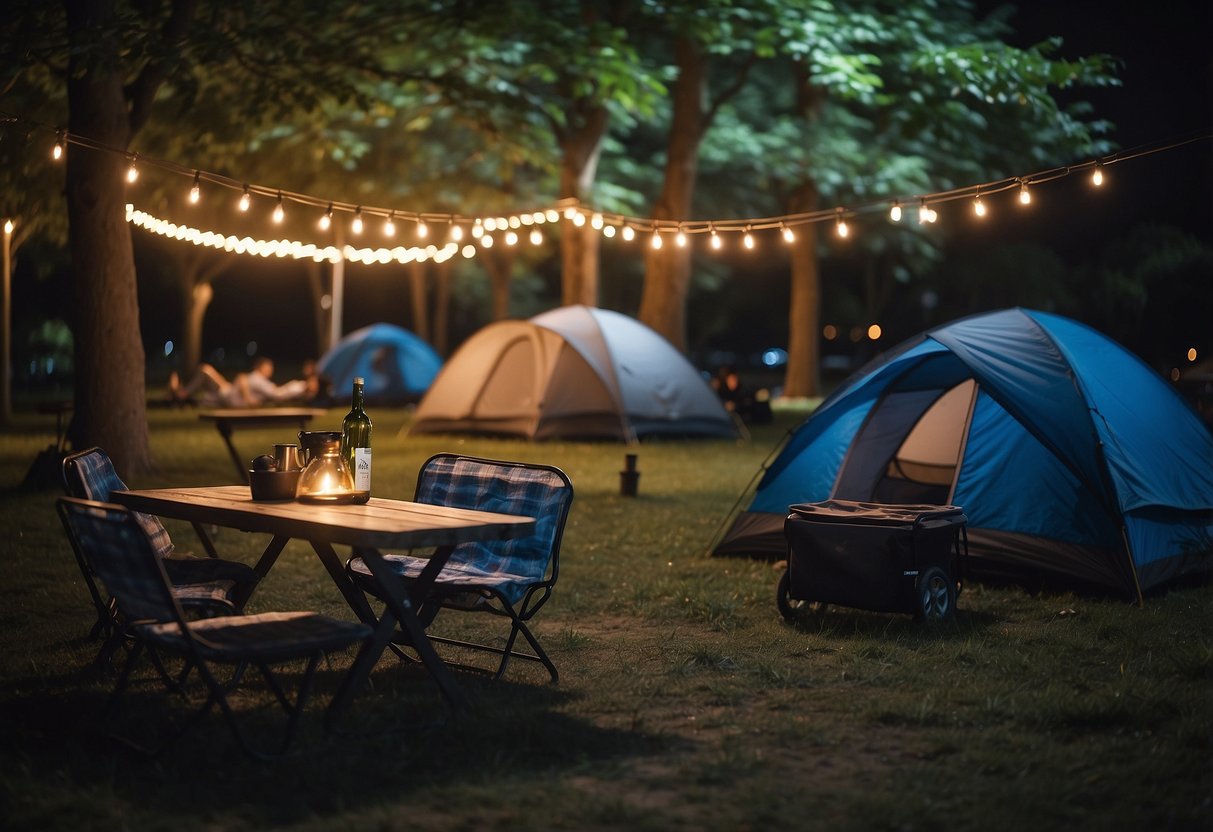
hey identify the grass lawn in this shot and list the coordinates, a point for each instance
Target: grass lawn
(685, 702)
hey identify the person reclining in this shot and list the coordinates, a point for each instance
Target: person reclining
(251, 389)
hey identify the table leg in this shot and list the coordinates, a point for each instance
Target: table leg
(353, 595)
(225, 430)
(205, 540)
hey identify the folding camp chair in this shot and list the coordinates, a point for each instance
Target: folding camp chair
(204, 586)
(119, 550)
(511, 578)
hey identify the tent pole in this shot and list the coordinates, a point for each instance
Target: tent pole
(1124, 535)
(762, 469)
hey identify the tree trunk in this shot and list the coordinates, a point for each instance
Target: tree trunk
(500, 268)
(200, 295)
(802, 377)
(322, 318)
(667, 271)
(110, 397)
(418, 295)
(442, 309)
(581, 147)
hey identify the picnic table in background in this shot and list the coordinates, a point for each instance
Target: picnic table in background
(227, 420)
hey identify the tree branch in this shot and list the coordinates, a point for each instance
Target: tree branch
(739, 81)
(141, 92)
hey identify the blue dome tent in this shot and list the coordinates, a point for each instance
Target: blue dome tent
(1076, 464)
(397, 365)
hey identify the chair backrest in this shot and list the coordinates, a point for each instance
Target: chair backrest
(121, 556)
(539, 491)
(90, 475)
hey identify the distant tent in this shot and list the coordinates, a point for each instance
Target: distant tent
(397, 365)
(571, 372)
(1075, 463)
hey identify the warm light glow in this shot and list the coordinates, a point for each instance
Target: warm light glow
(629, 233)
(279, 211)
(570, 213)
(895, 212)
(596, 222)
(1097, 175)
(830, 332)
(356, 224)
(841, 227)
(656, 241)
(423, 230)
(490, 224)
(716, 241)
(609, 231)
(788, 236)
(486, 240)
(195, 191)
(1174, 374)
(515, 222)
(57, 150)
(979, 207)
(1024, 196)
(132, 173)
(456, 232)
(469, 251)
(874, 332)
(924, 213)
(511, 238)
(578, 219)
(477, 231)
(1191, 350)
(389, 226)
(552, 214)
(8, 226)
(680, 239)
(748, 240)
(326, 221)
(245, 199)
(536, 237)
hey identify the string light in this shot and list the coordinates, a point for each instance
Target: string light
(979, 207)
(608, 231)
(477, 230)
(680, 239)
(279, 209)
(1024, 196)
(924, 213)
(895, 211)
(326, 220)
(356, 223)
(596, 222)
(196, 189)
(578, 219)
(1097, 175)
(748, 240)
(245, 199)
(716, 242)
(656, 241)
(840, 225)
(8, 226)
(132, 173)
(423, 230)
(629, 233)
(456, 232)
(486, 240)
(389, 225)
(511, 238)
(536, 237)
(57, 150)
(788, 236)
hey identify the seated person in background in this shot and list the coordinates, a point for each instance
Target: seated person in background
(251, 389)
(319, 390)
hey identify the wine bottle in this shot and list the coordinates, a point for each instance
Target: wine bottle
(356, 444)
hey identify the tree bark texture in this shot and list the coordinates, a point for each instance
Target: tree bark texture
(418, 299)
(201, 293)
(500, 268)
(442, 308)
(581, 147)
(802, 377)
(110, 396)
(667, 271)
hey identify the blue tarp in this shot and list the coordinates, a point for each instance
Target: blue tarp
(396, 364)
(1078, 460)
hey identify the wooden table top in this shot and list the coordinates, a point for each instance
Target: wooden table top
(380, 523)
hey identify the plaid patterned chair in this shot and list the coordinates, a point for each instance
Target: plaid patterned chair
(510, 578)
(125, 560)
(204, 586)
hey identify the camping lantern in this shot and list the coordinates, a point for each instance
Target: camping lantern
(327, 478)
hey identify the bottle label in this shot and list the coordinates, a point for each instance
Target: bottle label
(362, 469)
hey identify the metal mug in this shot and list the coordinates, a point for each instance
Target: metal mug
(312, 443)
(288, 457)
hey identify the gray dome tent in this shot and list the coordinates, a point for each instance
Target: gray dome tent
(571, 372)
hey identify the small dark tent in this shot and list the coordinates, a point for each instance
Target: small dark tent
(1075, 463)
(397, 365)
(576, 372)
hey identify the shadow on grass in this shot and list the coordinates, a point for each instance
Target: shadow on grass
(393, 745)
(846, 621)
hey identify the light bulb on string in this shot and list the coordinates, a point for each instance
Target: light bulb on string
(680, 239)
(578, 219)
(132, 173)
(979, 207)
(279, 210)
(478, 230)
(924, 213)
(1097, 175)
(596, 222)
(1025, 196)
(246, 199)
(196, 189)
(389, 225)
(716, 241)
(536, 237)
(423, 230)
(840, 225)
(748, 239)
(656, 239)
(490, 224)
(57, 150)
(551, 214)
(486, 240)
(629, 233)
(895, 211)
(608, 231)
(326, 219)
(570, 212)
(356, 223)
(456, 232)
(788, 236)
(511, 238)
